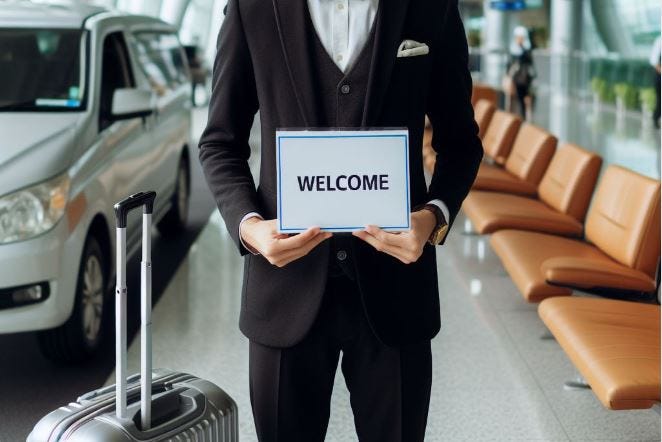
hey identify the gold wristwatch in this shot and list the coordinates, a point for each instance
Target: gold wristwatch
(441, 228)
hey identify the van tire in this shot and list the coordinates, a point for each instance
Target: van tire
(176, 218)
(79, 338)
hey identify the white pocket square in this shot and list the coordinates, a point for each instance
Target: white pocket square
(412, 48)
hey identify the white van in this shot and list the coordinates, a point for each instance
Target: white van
(94, 106)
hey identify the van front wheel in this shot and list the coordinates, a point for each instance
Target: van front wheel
(79, 338)
(175, 220)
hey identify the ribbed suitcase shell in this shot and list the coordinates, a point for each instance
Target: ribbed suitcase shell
(92, 417)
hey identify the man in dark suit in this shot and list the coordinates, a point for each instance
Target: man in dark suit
(371, 295)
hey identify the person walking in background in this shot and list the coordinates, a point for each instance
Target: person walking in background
(373, 295)
(197, 68)
(520, 71)
(655, 61)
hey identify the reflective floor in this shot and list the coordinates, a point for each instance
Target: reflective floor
(625, 139)
(494, 378)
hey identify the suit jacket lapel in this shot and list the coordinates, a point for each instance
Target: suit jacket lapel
(389, 24)
(292, 24)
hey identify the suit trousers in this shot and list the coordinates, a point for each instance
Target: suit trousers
(290, 388)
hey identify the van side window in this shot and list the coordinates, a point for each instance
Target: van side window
(115, 74)
(162, 59)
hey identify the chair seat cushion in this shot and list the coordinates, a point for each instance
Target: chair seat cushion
(523, 254)
(615, 345)
(590, 273)
(492, 211)
(497, 179)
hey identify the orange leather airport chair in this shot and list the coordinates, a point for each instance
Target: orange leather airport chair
(483, 92)
(615, 345)
(565, 192)
(429, 155)
(500, 135)
(620, 253)
(483, 113)
(531, 153)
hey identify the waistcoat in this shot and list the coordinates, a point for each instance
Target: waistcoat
(340, 104)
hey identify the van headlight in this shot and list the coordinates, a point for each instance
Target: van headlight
(29, 212)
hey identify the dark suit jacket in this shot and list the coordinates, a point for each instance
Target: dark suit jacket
(263, 63)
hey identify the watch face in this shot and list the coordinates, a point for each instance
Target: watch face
(439, 234)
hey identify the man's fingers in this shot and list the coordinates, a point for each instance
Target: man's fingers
(310, 245)
(394, 251)
(287, 256)
(321, 237)
(298, 240)
(385, 237)
(380, 246)
(404, 240)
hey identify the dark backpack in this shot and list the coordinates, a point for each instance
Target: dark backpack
(522, 73)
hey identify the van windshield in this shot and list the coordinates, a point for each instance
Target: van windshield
(42, 70)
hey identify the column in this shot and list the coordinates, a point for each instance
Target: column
(495, 41)
(565, 61)
(173, 11)
(151, 7)
(565, 44)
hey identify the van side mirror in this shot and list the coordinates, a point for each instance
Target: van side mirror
(131, 103)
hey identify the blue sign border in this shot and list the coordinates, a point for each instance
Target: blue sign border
(280, 197)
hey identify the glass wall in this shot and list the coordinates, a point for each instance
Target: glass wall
(603, 57)
(618, 40)
(641, 18)
(198, 20)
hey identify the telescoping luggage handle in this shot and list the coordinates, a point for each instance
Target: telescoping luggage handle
(122, 209)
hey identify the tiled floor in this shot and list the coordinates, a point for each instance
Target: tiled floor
(494, 378)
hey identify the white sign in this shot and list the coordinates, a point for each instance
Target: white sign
(342, 181)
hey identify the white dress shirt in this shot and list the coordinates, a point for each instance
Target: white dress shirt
(343, 27)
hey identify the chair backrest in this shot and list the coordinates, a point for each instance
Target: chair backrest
(570, 179)
(483, 112)
(500, 134)
(531, 153)
(483, 92)
(624, 218)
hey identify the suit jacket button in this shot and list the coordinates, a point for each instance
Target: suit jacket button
(345, 89)
(341, 255)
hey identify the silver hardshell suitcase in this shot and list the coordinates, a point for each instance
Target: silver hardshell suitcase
(153, 405)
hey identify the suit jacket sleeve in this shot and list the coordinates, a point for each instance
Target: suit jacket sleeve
(455, 132)
(223, 147)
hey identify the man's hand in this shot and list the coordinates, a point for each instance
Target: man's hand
(278, 248)
(405, 246)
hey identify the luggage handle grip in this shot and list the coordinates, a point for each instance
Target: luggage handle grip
(172, 409)
(107, 389)
(140, 199)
